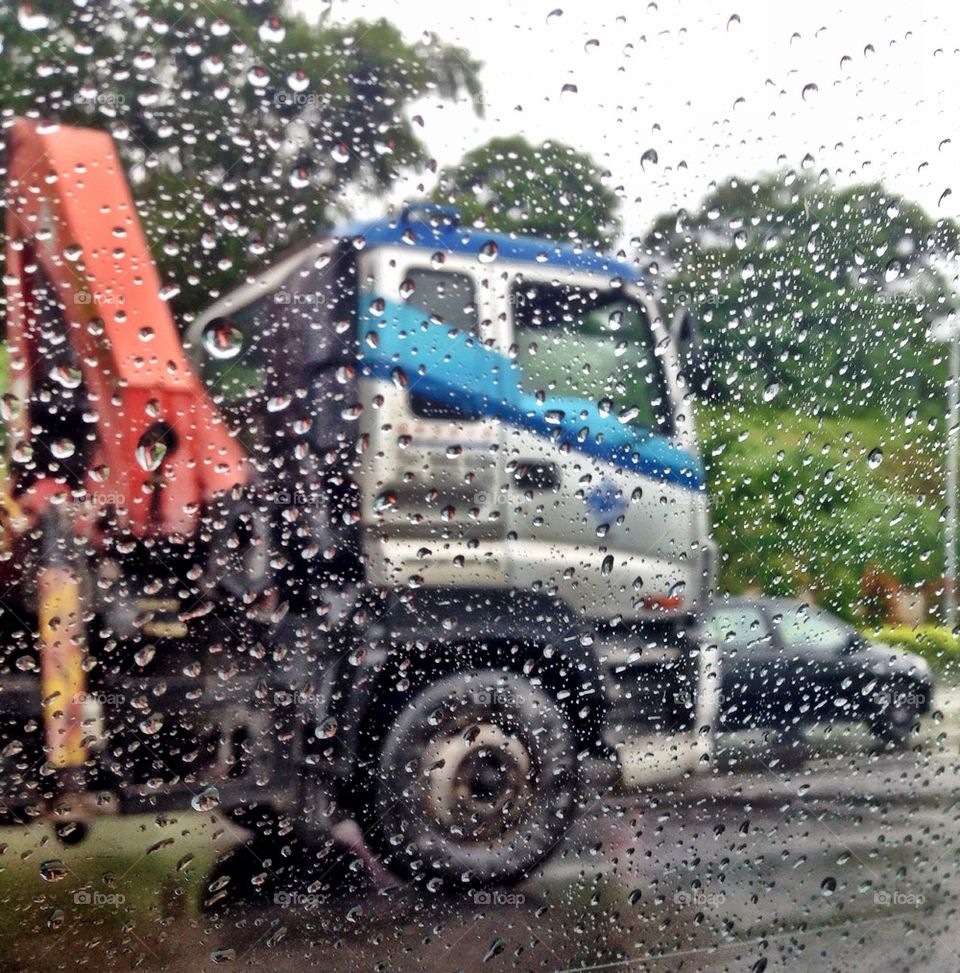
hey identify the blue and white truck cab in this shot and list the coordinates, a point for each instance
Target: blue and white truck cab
(477, 464)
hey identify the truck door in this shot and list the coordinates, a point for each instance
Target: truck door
(602, 503)
(431, 481)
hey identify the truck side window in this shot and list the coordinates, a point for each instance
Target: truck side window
(590, 343)
(449, 299)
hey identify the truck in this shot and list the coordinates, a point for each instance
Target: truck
(409, 528)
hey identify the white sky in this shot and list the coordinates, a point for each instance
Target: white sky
(671, 75)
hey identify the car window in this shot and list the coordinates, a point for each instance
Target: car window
(736, 628)
(805, 629)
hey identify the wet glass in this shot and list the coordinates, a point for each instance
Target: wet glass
(479, 486)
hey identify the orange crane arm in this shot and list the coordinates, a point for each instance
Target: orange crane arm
(161, 449)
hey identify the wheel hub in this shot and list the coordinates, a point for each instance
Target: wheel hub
(477, 782)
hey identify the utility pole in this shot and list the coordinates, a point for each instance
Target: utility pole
(953, 418)
(947, 331)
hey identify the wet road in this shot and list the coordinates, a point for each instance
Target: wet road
(847, 861)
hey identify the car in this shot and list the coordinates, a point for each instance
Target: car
(787, 664)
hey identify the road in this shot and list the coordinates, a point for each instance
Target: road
(848, 861)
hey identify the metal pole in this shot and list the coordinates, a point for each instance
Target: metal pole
(953, 418)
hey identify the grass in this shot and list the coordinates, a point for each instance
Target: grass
(141, 871)
(803, 502)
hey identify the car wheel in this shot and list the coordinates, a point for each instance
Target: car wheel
(475, 781)
(895, 722)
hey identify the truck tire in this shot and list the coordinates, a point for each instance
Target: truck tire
(475, 781)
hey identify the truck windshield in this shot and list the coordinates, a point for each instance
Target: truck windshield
(594, 344)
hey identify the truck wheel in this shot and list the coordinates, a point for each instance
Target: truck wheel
(475, 782)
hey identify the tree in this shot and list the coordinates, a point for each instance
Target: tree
(240, 123)
(550, 190)
(809, 293)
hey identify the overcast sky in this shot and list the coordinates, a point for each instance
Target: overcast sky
(716, 89)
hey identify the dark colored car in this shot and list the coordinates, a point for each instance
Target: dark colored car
(787, 665)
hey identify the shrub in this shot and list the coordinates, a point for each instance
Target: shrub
(935, 643)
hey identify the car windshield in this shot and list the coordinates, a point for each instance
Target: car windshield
(589, 343)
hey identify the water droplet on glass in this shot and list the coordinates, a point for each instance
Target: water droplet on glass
(300, 178)
(10, 407)
(144, 61)
(68, 376)
(222, 339)
(272, 31)
(62, 448)
(298, 80)
(30, 19)
(53, 870)
(150, 452)
(875, 458)
(488, 252)
(206, 800)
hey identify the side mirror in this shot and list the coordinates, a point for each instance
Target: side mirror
(685, 332)
(683, 327)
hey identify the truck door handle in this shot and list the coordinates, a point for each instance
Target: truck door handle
(532, 474)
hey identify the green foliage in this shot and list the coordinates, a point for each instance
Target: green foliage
(550, 190)
(240, 124)
(802, 503)
(815, 294)
(935, 643)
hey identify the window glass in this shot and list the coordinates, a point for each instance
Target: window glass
(804, 630)
(597, 345)
(734, 627)
(449, 298)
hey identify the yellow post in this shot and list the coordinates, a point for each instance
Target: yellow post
(62, 654)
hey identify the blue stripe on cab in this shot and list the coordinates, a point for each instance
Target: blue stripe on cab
(447, 366)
